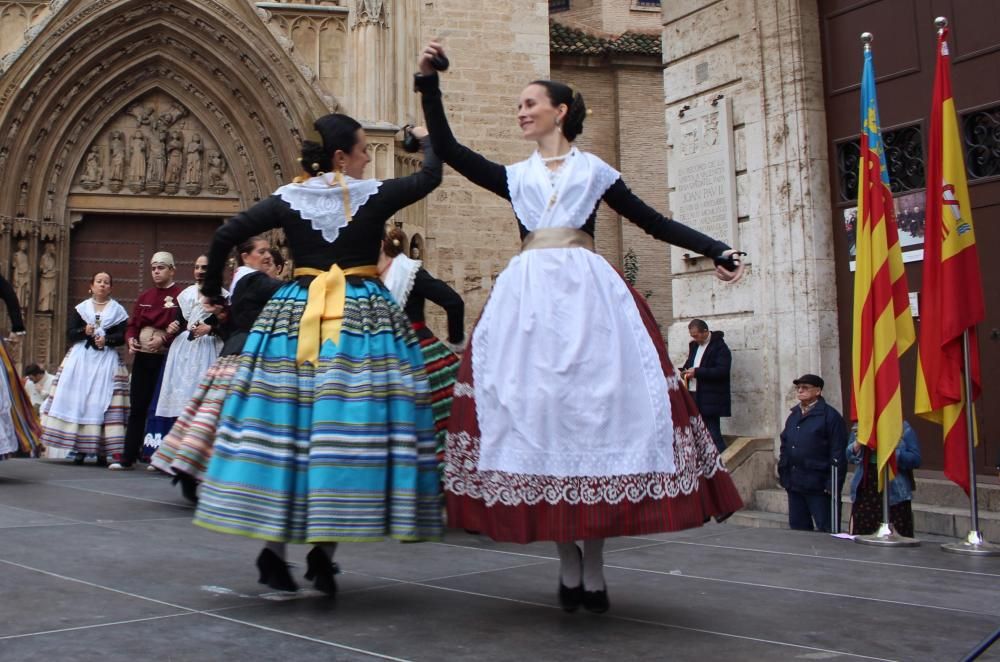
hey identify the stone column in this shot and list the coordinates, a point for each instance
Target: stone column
(371, 70)
(781, 321)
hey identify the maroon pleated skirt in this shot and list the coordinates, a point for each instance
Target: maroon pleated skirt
(524, 508)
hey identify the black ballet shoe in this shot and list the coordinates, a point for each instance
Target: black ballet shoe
(596, 601)
(274, 572)
(570, 599)
(320, 571)
(189, 487)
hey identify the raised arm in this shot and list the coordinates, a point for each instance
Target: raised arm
(473, 166)
(263, 216)
(403, 191)
(620, 198)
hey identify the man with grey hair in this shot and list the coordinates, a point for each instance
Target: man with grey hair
(706, 373)
(147, 338)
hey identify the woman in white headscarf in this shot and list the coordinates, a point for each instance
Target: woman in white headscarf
(88, 407)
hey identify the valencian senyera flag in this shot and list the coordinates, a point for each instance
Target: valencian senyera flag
(951, 300)
(883, 323)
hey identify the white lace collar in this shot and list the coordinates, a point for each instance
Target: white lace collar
(399, 277)
(320, 200)
(563, 201)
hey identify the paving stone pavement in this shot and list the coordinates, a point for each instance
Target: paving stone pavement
(96, 565)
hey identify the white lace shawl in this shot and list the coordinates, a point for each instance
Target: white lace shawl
(320, 200)
(112, 315)
(580, 183)
(399, 277)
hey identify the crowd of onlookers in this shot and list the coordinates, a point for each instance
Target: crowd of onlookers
(94, 407)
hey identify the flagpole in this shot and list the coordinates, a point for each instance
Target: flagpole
(973, 543)
(884, 536)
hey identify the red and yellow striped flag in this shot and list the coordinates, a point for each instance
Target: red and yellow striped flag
(883, 324)
(951, 300)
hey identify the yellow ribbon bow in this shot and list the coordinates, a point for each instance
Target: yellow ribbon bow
(324, 313)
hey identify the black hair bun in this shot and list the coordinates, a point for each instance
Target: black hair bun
(314, 159)
(573, 122)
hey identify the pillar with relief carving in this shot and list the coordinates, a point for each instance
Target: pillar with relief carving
(371, 70)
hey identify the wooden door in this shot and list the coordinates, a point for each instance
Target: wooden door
(904, 59)
(123, 246)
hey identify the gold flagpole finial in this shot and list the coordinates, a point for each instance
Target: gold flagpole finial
(867, 38)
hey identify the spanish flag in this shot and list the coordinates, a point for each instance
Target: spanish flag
(951, 301)
(883, 324)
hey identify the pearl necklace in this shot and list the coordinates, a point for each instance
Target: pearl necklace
(561, 157)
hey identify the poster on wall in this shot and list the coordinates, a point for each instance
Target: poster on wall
(910, 223)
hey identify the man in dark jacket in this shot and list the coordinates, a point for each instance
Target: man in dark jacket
(706, 372)
(814, 440)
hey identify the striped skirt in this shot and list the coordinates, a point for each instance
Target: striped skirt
(524, 508)
(442, 370)
(61, 437)
(19, 428)
(343, 451)
(188, 446)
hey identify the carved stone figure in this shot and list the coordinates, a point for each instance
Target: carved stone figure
(193, 168)
(216, 173)
(93, 174)
(21, 276)
(157, 162)
(116, 175)
(175, 162)
(47, 279)
(137, 162)
(143, 114)
(169, 118)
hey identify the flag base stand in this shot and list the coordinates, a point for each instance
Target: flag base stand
(973, 545)
(886, 537)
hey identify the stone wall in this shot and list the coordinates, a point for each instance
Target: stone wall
(781, 321)
(611, 16)
(495, 48)
(628, 132)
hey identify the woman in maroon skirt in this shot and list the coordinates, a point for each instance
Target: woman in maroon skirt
(569, 423)
(412, 286)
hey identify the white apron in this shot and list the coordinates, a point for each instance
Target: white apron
(87, 381)
(567, 379)
(188, 359)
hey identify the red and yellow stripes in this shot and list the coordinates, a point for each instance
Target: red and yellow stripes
(883, 326)
(951, 300)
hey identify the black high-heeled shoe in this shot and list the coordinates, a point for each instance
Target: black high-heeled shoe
(596, 601)
(320, 571)
(274, 572)
(570, 599)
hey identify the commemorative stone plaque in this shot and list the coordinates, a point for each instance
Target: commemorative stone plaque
(703, 175)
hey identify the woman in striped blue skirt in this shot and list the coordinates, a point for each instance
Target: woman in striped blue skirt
(327, 434)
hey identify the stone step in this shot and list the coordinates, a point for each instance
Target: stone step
(771, 505)
(943, 492)
(940, 492)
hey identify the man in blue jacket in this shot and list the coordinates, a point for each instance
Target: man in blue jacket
(814, 440)
(706, 373)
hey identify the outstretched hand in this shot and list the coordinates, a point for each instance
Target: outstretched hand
(730, 276)
(432, 50)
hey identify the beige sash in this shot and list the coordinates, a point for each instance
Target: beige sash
(557, 238)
